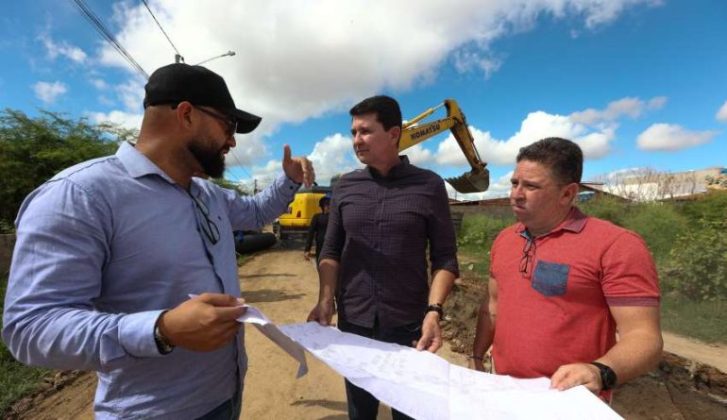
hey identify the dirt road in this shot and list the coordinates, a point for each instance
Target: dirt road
(285, 288)
(281, 284)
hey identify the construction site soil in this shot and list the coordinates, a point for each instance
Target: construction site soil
(285, 287)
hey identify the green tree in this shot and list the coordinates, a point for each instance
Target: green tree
(33, 149)
(697, 268)
(659, 223)
(710, 207)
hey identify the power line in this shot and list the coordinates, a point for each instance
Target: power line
(239, 163)
(178, 56)
(106, 34)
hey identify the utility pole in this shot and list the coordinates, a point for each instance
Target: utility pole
(254, 186)
(178, 58)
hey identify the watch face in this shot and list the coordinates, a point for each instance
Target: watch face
(608, 376)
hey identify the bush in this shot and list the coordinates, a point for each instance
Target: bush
(6, 227)
(710, 207)
(607, 208)
(697, 268)
(479, 230)
(659, 224)
(477, 234)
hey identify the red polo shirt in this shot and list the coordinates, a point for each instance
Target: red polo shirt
(553, 304)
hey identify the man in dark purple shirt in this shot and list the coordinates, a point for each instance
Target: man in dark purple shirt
(374, 258)
(317, 229)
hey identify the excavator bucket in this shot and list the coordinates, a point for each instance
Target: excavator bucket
(471, 182)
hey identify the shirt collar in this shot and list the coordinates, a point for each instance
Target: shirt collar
(394, 172)
(138, 165)
(574, 222)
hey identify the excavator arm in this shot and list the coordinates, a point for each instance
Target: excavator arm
(477, 179)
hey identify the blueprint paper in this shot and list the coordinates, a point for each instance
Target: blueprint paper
(425, 386)
(269, 330)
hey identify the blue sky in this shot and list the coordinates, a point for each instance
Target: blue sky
(638, 83)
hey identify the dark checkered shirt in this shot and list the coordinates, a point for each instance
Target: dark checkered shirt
(378, 231)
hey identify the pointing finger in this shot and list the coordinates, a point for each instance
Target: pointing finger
(286, 154)
(309, 175)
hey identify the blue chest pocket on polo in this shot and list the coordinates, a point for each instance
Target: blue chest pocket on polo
(550, 279)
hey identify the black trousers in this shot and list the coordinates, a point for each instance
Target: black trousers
(361, 404)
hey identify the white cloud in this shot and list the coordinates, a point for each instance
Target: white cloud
(537, 125)
(301, 60)
(350, 50)
(264, 175)
(120, 118)
(332, 156)
(722, 113)
(48, 92)
(599, 13)
(631, 107)
(466, 61)
(418, 155)
(656, 102)
(131, 94)
(63, 49)
(99, 84)
(671, 137)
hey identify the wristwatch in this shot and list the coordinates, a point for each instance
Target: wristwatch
(608, 376)
(435, 307)
(162, 343)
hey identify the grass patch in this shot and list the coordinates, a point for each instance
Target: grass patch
(16, 379)
(705, 321)
(475, 240)
(475, 267)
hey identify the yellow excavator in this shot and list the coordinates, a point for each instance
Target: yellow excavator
(305, 204)
(414, 132)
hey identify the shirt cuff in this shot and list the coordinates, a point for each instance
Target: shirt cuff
(136, 334)
(288, 185)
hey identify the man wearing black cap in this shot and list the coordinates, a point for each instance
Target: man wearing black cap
(126, 265)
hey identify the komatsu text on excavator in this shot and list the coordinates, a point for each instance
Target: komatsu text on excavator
(478, 178)
(414, 131)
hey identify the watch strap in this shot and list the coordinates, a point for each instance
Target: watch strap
(162, 343)
(435, 307)
(608, 376)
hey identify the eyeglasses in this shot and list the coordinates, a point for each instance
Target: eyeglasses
(208, 227)
(528, 254)
(230, 123)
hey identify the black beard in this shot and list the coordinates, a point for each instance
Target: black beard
(211, 161)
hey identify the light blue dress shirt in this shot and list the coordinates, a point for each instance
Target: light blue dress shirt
(102, 249)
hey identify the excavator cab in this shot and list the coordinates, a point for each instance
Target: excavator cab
(415, 132)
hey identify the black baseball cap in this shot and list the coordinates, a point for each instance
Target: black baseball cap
(198, 85)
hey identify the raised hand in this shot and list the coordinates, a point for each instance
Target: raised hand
(298, 168)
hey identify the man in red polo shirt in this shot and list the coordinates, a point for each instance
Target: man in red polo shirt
(563, 284)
